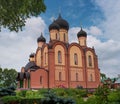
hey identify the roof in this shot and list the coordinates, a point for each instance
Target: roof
(81, 33)
(41, 38)
(59, 23)
(31, 65)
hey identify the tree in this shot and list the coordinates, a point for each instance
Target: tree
(101, 94)
(13, 13)
(103, 77)
(0, 76)
(8, 77)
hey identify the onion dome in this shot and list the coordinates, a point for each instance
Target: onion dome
(81, 33)
(41, 39)
(32, 55)
(54, 25)
(62, 23)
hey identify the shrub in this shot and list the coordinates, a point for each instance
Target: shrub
(7, 91)
(52, 98)
(60, 92)
(11, 99)
(91, 100)
(114, 97)
(33, 94)
(30, 101)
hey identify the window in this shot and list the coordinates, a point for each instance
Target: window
(75, 59)
(84, 42)
(60, 76)
(91, 77)
(76, 76)
(90, 60)
(64, 37)
(56, 36)
(59, 57)
(45, 57)
(41, 79)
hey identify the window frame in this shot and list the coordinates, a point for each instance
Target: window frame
(59, 56)
(75, 59)
(90, 60)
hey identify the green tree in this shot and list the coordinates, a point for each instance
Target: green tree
(13, 13)
(8, 77)
(101, 94)
(1, 76)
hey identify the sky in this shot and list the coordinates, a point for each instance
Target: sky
(99, 18)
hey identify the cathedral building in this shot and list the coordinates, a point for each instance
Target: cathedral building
(59, 63)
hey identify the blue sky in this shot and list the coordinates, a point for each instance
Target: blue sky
(76, 12)
(99, 18)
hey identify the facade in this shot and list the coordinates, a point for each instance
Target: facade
(60, 63)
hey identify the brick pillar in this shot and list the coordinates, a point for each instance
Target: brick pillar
(51, 68)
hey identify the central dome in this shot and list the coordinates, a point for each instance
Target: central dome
(59, 23)
(54, 25)
(62, 23)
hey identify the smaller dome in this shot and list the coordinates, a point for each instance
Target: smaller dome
(32, 55)
(81, 33)
(41, 39)
(54, 25)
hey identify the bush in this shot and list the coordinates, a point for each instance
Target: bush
(7, 91)
(30, 101)
(91, 100)
(21, 93)
(52, 98)
(60, 92)
(114, 97)
(11, 99)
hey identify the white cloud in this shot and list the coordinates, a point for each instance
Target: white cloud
(16, 47)
(93, 30)
(111, 24)
(108, 55)
(108, 51)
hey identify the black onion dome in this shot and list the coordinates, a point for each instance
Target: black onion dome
(32, 55)
(41, 39)
(62, 23)
(81, 33)
(54, 25)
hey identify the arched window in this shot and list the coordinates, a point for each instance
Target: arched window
(64, 38)
(60, 76)
(45, 57)
(59, 57)
(85, 42)
(76, 76)
(75, 59)
(41, 79)
(91, 77)
(90, 60)
(56, 36)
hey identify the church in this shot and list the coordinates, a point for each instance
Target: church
(59, 63)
